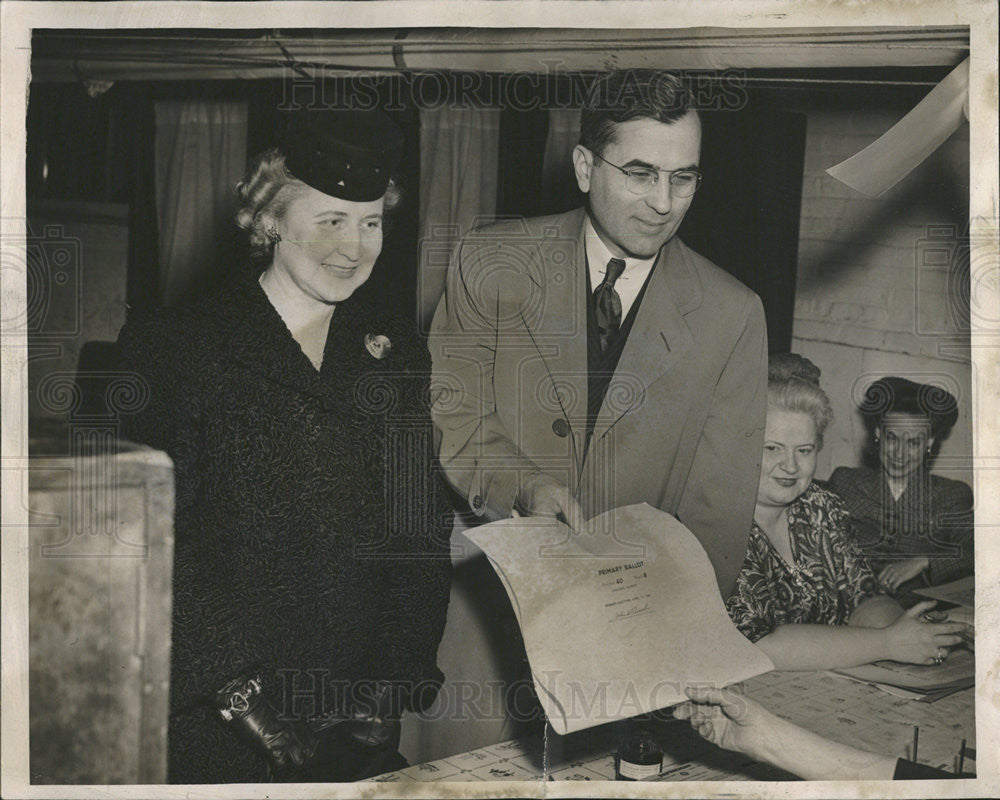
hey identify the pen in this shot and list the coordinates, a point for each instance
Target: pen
(961, 757)
(916, 735)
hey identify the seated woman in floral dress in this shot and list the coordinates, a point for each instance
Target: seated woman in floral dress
(805, 593)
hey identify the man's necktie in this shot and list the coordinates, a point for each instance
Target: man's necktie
(608, 304)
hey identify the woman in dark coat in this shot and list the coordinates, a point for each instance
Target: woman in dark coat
(312, 569)
(916, 528)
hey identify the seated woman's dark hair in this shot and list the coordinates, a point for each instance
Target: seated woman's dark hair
(897, 395)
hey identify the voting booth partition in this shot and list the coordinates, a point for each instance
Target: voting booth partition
(100, 562)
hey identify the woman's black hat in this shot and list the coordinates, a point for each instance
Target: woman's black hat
(344, 153)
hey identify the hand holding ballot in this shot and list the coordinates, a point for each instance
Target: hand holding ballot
(541, 495)
(734, 722)
(619, 618)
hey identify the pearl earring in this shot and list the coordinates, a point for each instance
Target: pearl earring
(272, 235)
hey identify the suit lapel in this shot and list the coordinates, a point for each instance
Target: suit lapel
(660, 337)
(559, 331)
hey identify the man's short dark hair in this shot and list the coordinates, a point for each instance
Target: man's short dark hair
(624, 95)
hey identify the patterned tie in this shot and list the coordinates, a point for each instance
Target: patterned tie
(608, 304)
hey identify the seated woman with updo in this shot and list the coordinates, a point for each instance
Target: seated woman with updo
(805, 593)
(915, 527)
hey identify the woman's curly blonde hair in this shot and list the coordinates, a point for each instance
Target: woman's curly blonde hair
(793, 385)
(267, 189)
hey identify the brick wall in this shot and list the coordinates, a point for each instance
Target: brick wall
(879, 288)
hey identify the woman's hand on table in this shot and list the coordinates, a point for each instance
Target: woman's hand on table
(899, 572)
(913, 640)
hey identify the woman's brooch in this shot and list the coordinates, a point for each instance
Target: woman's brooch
(378, 345)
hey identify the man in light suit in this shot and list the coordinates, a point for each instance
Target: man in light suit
(590, 360)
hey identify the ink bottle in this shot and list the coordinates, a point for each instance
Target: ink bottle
(638, 756)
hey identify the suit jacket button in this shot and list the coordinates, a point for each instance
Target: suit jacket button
(560, 428)
(477, 502)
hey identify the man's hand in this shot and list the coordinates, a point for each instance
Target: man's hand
(541, 495)
(900, 572)
(737, 723)
(729, 720)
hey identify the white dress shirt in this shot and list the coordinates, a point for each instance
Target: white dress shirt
(630, 283)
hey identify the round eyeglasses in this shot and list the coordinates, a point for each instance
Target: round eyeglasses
(640, 180)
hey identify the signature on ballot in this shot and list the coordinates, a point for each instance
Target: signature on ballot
(632, 611)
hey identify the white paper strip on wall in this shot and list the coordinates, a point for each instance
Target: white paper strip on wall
(618, 618)
(891, 157)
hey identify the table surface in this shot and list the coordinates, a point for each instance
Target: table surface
(840, 709)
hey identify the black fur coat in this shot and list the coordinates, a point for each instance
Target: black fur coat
(311, 524)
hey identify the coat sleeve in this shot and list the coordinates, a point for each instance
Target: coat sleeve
(155, 352)
(718, 500)
(479, 457)
(866, 515)
(952, 524)
(417, 562)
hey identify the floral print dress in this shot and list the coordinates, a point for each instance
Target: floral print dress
(828, 579)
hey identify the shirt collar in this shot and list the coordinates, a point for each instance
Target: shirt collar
(598, 255)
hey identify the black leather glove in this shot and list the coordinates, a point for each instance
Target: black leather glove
(374, 719)
(329, 749)
(286, 744)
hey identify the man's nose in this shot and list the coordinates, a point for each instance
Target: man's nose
(659, 198)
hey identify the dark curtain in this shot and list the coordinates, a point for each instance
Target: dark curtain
(745, 216)
(135, 148)
(522, 148)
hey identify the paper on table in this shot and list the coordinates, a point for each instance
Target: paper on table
(961, 592)
(958, 670)
(617, 618)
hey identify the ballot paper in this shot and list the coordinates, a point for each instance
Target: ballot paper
(957, 672)
(961, 592)
(617, 618)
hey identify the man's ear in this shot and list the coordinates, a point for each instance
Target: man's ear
(583, 163)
